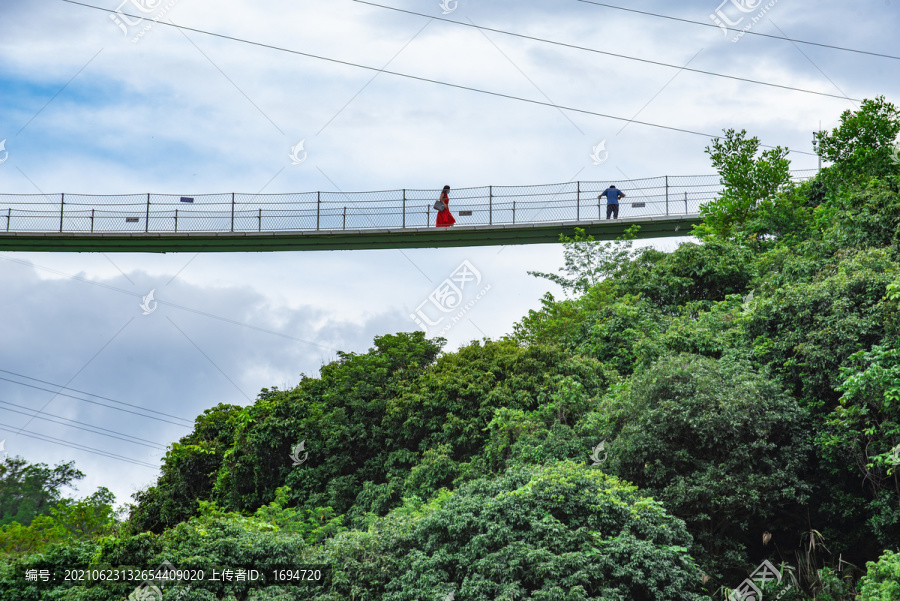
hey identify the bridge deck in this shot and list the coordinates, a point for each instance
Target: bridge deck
(430, 237)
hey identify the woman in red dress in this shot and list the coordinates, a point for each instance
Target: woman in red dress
(445, 218)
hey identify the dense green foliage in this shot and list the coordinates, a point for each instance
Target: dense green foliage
(861, 146)
(752, 185)
(882, 580)
(83, 519)
(718, 445)
(557, 532)
(29, 490)
(675, 420)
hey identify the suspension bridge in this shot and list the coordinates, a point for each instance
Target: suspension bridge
(663, 206)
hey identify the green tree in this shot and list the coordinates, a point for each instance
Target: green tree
(543, 435)
(863, 216)
(719, 445)
(882, 579)
(189, 471)
(693, 273)
(29, 490)
(589, 261)
(87, 518)
(393, 422)
(70, 521)
(623, 334)
(863, 434)
(560, 322)
(861, 147)
(215, 540)
(344, 419)
(804, 326)
(561, 531)
(752, 184)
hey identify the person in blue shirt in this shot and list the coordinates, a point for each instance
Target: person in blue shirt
(612, 195)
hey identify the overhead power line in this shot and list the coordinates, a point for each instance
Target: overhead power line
(71, 445)
(424, 79)
(98, 396)
(622, 56)
(95, 402)
(739, 30)
(43, 415)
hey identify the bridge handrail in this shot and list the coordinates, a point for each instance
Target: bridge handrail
(310, 211)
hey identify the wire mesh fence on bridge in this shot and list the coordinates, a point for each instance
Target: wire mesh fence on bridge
(317, 211)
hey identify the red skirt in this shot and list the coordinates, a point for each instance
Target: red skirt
(445, 218)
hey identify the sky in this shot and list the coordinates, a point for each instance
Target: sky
(119, 101)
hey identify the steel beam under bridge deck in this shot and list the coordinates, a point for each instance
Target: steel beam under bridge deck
(431, 237)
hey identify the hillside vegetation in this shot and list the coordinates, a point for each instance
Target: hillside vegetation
(745, 388)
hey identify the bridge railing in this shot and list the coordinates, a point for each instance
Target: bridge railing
(390, 209)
